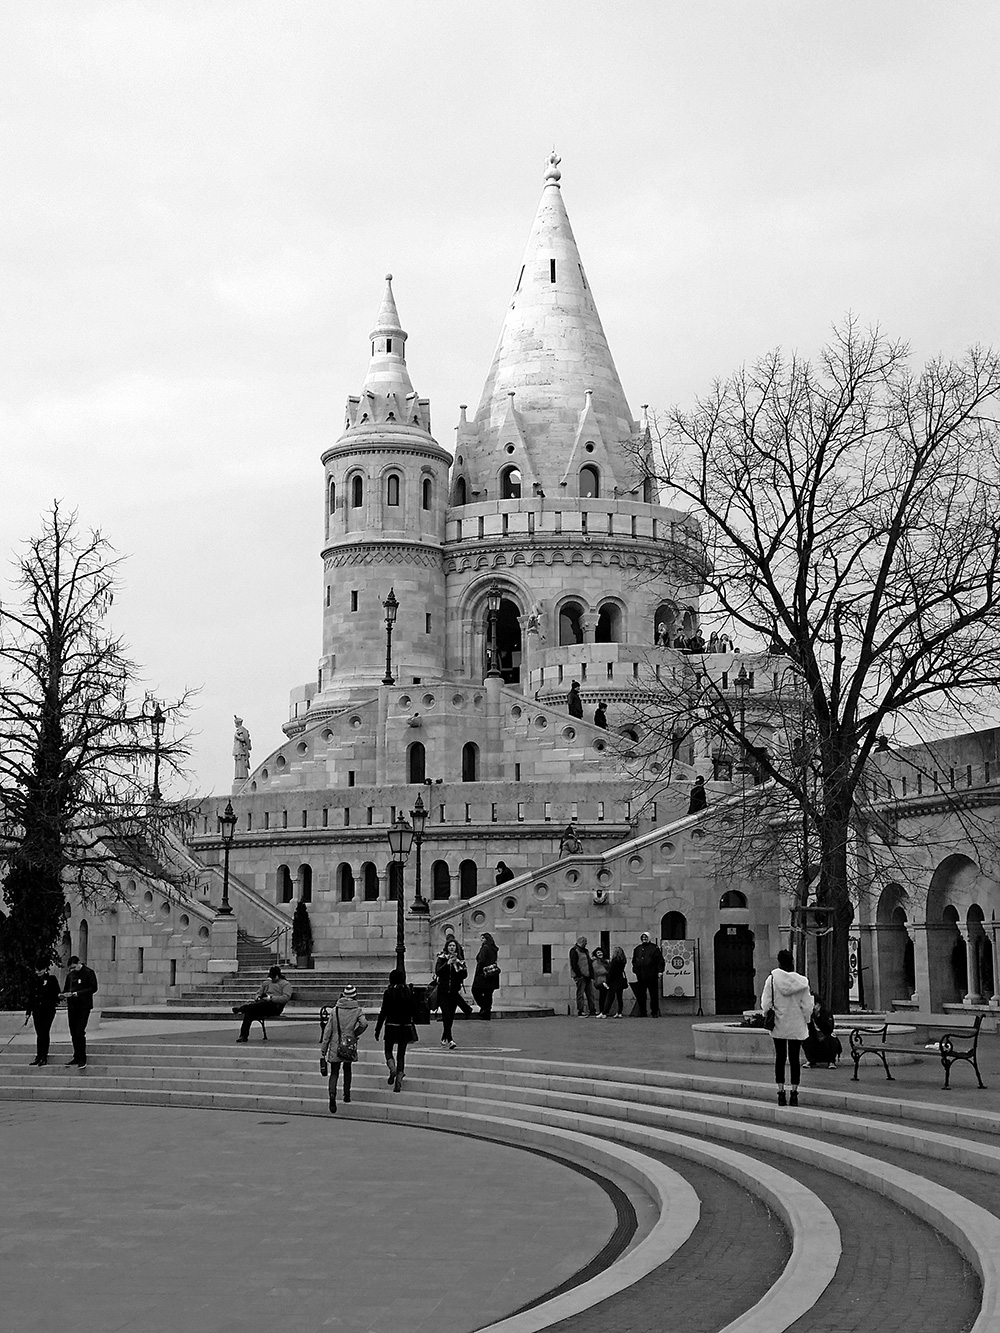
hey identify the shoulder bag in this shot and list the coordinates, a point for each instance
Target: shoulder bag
(347, 1046)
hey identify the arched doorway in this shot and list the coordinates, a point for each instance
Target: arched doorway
(416, 763)
(468, 879)
(946, 957)
(734, 970)
(508, 645)
(609, 624)
(570, 624)
(590, 482)
(892, 938)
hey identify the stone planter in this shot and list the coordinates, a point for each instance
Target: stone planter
(728, 1042)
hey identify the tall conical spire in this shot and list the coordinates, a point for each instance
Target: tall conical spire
(387, 372)
(553, 357)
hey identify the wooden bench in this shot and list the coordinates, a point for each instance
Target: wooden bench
(946, 1048)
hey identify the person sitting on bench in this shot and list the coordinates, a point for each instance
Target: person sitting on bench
(274, 995)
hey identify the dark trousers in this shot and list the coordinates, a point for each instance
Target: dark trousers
(483, 996)
(257, 1009)
(79, 1016)
(399, 1043)
(335, 1074)
(585, 995)
(42, 1019)
(791, 1047)
(462, 1003)
(448, 1005)
(614, 997)
(648, 987)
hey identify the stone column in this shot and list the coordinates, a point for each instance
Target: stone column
(588, 623)
(971, 967)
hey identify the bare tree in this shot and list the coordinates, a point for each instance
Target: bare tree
(849, 514)
(77, 751)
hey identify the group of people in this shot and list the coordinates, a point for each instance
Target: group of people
(601, 982)
(800, 1025)
(78, 991)
(694, 643)
(450, 973)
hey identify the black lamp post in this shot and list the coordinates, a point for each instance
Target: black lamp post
(157, 721)
(418, 818)
(400, 842)
(492, 615)
(391, 610)
(742, 685)
(227, 827)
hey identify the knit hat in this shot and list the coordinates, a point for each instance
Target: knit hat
(349, 993)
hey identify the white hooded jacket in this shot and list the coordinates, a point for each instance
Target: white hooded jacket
(788, 994)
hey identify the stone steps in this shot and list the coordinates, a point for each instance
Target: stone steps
(631, 1121)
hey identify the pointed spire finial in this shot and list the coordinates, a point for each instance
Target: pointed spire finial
(552, 172)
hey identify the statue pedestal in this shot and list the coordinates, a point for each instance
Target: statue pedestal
(223, 957)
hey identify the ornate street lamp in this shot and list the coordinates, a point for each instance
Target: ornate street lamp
(418, 818)
(391, 611)
(400, 842)
(742, 684)
(493, 596)
(156, 718)
(227, 828)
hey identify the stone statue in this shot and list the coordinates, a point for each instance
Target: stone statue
(241, 750)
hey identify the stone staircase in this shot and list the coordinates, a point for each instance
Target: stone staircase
(310, 987)
(854, 1211)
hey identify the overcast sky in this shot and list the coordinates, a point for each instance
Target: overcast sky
(200, 201)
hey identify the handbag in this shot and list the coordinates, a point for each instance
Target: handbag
(432, 995)
(411, 1033)
(347, 1047)
(770, 1016)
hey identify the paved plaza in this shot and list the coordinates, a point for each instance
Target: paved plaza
(151, 1218)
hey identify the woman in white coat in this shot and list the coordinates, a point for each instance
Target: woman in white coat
(788, 994)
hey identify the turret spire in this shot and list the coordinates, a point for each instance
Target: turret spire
(551, 355)
(387, 373)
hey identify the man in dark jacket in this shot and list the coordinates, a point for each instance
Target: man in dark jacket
(79, 991)
(582, 971)
(42, 1009)
(648, 965)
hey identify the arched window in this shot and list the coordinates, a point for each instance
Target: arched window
(332, 492)
(65, 948)
(416, 763)
(306, 884)
(394, 886)
(357, 492)
(468, 879)
(426, 493)
(609, 624)
(590, 482)
(732, 898)
(84, 941)
(345, 882)
(461, 491)
(510, 483)
(285, 887)
(440, 880)
(392, 491)
(470, 762)
(647, 490)
(570, 624)
(369, 882)
(665, 625)
(673, 926)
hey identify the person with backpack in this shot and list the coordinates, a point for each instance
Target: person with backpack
(339, 1042)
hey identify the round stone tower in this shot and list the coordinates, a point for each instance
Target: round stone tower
(386, 492)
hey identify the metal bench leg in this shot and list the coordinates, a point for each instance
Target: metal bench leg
(975, 1065)
(885, 1066)
(263, 1028)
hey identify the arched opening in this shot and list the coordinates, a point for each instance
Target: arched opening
(285, 886)
(84, 941)
(416, 762)
(426, 493)
(732, 898)
(609, 624)
(510, 483)
(508, 641)
(306, 884)
(357, 492)
(590, 482)
(65, 949)
(978, 950)
(345, 882)
(394, 886)
(570, 624)
(369, 882)
(440, 881)
(392, 490)
(665, 625)
(891, 940)
(734, 973)
(468, 879)
(946, 957)
(332, 496)
(470, 762)
(648, 496)
(673, 926)
(461, 491)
